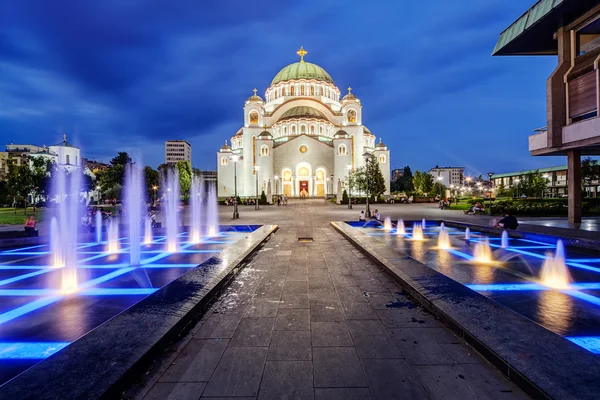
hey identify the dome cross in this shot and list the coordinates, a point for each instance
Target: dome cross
(349, 90)
(254, 90)
(64, 137)
(302, 53)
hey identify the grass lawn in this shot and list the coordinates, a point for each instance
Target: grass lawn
(8, 216)
(460, 206)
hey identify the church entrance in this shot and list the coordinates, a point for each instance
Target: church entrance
(303, 192)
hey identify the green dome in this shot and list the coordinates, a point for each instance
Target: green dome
(302, 112)
(302, 70)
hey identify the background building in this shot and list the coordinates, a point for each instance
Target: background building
(177, 150)
(449, 175)
(397, 173)
(570, 30)
(301, 140)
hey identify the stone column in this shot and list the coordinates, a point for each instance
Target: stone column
(556, 98)
(293, 186)
(574, 185)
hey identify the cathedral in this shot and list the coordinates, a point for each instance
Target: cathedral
(301, 140)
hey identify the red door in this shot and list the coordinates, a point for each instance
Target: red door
(303, 188)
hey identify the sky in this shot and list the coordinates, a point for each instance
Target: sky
(126, 75)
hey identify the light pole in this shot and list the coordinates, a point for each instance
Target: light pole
(256, 168)
(154, 188)
(440, 179)
(490, 174)
(99, 194)
(349, 168)
(517, 181)
(366, 157)
(235, 158)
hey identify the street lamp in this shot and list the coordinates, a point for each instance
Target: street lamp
(97, 191)
(276, 185)
(490, 174)
(440, 179)
(256, 168)
(349, 168)
(366, 156)
(235, 158)
(517, 181)
(154, 188)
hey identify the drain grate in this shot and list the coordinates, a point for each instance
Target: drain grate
(305, 240)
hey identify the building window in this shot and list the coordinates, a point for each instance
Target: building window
(351, 115)
(312, 90)
(68, 159)
(264, 150)
(287, 176)
(301, 90)
(292, 90)
(284, 130)
(312, 129)
(303, 149)
(302, 129)
(318, 90)
(342, 151)
(588, 37)
(254, 117)
(382, 159)
(293, 129)
(321, 130)
(224, 161)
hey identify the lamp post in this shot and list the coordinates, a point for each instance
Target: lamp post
(440, 179)
(154, 188)
(349, 168)
(276, 185)
(97, 191)
(256, 168)
(235, 158)
(490, 174)
(366, 156)
(517, 181)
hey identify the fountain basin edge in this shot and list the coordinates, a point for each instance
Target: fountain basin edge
(540, 362)
(104, 361)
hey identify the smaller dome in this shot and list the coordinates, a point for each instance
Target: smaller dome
(255, 97)
(380, 146)
(226, 148)
(349, 95)
(341, 134)
(265, 135)
(302, 112)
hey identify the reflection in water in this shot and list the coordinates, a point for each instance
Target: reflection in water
(555, 311)
(483, 274)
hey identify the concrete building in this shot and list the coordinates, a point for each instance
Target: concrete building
(397, 173)
(570, 30)
(301, 140)
(448, 175)
(177, 150)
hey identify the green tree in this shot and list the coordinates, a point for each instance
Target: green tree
(263, 198)
(375, 182)
(422, 182)
(538, 184)
(20, 182)
(590, 171)
(152, 180)
(345, 197)
(438, 188)
(185, 178)
(114, 175)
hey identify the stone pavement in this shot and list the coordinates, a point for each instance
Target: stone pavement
(318, 320)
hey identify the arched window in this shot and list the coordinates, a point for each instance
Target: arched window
(253, 117)
(283, 91)
(293, 129)
(68, 159)
(284, 130)
(292, 90)
(351, 115)
(320, 129)
(382, 158)
(224, 160)
(312, 90)
(342, 151)
(264, 150)
(287, 176)
(312, 129)
(301, 90)
(302, 129)
(319, 90)
(320, 175)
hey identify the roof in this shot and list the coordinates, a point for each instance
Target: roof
(530, 171)
(341, 133)
(301, 70)
(533, 32)
(302, 112)
(265, 135)
(64, 143)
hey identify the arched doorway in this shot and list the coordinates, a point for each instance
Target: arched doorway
(286, 182)
(320, 182)
(303, 178)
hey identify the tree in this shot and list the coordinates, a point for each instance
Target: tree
(185, 178)
(422, 182)
(375, 182)
(152, 180)
(538, 184)
(590, 171)
(438, 188)
(344, 196)
(263, 198)
(115, 174)
(20, 181)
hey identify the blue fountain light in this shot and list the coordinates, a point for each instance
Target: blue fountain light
(29, 350)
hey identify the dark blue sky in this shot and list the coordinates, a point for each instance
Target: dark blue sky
(127, 75)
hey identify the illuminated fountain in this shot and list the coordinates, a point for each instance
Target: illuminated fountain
(196, 198)
(212, 216)
(504, 241)
(148, 231)
(134, 201)
(387, 224)
(444, 238)
(98, 226)
(423, 223)
(56, 255)
(400, 230)
(417, 232)
(555, 273)
(112, 237)
(483, 252)
(467, 234)
(171, 183)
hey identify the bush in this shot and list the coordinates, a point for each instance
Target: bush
(263, 198)
(344, 196)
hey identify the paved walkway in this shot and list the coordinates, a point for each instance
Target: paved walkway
(319, 320)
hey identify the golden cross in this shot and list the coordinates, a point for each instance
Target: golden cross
(302, 53)
(254, 91)
(349, 89)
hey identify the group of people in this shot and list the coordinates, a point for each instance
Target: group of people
(246, 201)
(282, 200)
(445, 204)
(376, 215)
(476, 208)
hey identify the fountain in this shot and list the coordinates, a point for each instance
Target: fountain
(148, 231)
(98, 226)
(134, 202)
(400, 230)
(212, 217)
(387, 224)
(423, 223)
(504, 242)
(483, 252)
(113, 237)
(555, 273)
(417, 232)
(467, 234)
(56, 253)
(171, 182)
(444, 238)
(196, 205)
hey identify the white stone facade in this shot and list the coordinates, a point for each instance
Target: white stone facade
(302, 138)
(448, 176)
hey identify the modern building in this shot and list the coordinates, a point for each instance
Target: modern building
(397, 173)
(570, 30)
(177, 150)
(448, 176)
(209, 176)
(301, 140)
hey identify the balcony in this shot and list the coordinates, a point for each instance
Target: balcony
(538, 141)
(586, 129)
